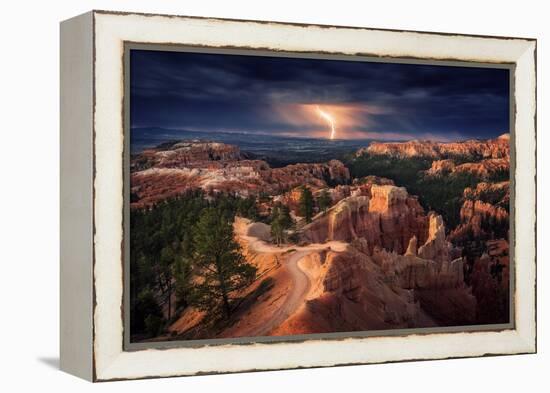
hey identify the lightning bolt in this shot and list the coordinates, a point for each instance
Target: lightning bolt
(330, 121)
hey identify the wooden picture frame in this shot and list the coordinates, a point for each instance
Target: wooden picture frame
(94, 162)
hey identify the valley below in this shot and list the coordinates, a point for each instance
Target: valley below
(228, 243)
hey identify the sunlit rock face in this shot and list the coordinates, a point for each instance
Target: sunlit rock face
(483, 169)
(407, 248)
(441, 167)
(354, 291)
(492, 148)
(436, 246)
(484, 213)
(389, 218)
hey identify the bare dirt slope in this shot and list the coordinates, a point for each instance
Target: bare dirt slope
(293, 281)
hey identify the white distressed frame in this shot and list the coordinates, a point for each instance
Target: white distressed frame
(111, 30)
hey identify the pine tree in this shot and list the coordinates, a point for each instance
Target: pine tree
(183, 275)
(165, 272)
(222, 268)
(281, 221)
(306, 204)
(286, 219)
(277, 230)
(149, 317)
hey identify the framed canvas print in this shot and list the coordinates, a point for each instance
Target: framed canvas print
(245, 195)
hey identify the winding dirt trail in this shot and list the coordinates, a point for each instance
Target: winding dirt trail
(294, 299)
(300, 280)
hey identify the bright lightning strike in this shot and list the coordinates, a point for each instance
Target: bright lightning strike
(330, 121)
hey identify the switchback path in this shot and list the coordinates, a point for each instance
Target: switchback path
(300, 281)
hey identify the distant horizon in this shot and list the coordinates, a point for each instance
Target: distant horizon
(259, 133)
(316, 98)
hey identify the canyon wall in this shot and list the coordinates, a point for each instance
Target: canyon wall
(352, 291)
(388, 219)
(492, 148)
(173, 169)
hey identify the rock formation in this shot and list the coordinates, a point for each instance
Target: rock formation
(185, 154)
(359, 187)
(483, 169)
(352, 291)
(492, 148)
(484, 213)
(349, 293)
(483, 234)
(314, 175)
(388, 219)
(489, 277)
(441, 167)
(174, 168)
(436, 247)
(412, 247)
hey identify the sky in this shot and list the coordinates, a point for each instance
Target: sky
(309, 97)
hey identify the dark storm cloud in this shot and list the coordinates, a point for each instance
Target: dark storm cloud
(238, 93)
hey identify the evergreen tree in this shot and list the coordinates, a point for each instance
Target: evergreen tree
(324, 200)
(165, 276)
(284, 216)
(281, 221)
(306, 204)
(183, 275)
(277, 231)
(162, 258)
(220, 265)
(146, 316)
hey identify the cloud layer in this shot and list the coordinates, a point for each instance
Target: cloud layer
(278, 95)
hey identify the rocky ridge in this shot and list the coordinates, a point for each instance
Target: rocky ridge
(484, 213)
(388, 219)
(354, 291)
(492, 148)
(482, 169)
(185, 154)
(166, 172)
(385, 230)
